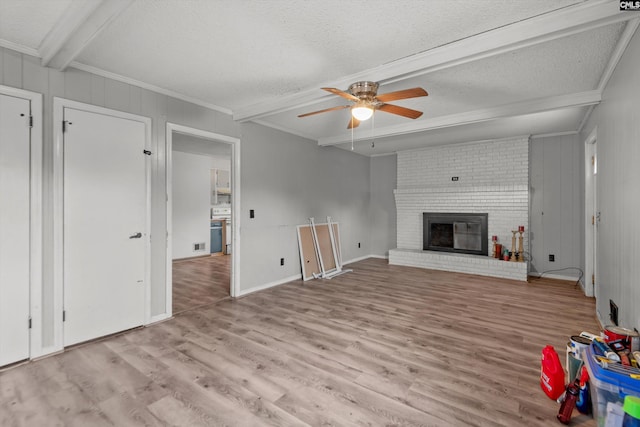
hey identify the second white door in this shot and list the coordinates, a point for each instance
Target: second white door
(105, 239)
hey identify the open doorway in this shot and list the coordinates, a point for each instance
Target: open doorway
(200, 217)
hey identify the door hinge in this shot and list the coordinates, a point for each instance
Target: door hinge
(30, 121)
(593, 279)
(593, 220)
(64, 315)
(593, 160)
(29, 322)
(147, 152)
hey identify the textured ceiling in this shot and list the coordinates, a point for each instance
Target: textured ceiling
(27, 22)
(491, 67)
(250, 51)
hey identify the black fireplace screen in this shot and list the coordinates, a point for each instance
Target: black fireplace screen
(455, 232)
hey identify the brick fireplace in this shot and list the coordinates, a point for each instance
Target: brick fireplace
(486, 177)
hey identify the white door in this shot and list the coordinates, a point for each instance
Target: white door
(104, 224)
(14, 228)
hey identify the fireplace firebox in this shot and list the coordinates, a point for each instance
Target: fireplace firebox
(455, 232)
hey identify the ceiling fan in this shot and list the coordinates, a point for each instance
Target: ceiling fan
(364, 94)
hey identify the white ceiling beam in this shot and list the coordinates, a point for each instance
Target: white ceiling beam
(510, 110)
(540, 29)
(79, 25)
(625, 38)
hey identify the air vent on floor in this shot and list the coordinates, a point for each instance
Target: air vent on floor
(199, 247)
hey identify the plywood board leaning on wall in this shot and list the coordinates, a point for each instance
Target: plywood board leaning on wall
(308, 256)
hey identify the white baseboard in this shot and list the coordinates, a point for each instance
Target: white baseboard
(269, 285)
(298, 277)
(159, 318)
(556, 276)
(351, 261)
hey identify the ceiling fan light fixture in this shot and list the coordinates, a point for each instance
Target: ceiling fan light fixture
(362, 112)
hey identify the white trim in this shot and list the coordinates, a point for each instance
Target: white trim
(234, 287)
(552, 134)
(351, 261)
(590, 239)
(585, 119)
(81, 23)
(539, 29)
(19, 48)
(159, 318)
(59, 104)
(269, 285)
(35, 221)
(482, 115)
(148, 86)
(621, 46)
(378, 256)
(555, 276)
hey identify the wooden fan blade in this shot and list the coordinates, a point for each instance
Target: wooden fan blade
(353, 123)
(400, 111)
(341, 93)
(342, 107)
(402, 94)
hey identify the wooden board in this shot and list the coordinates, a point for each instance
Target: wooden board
(308, 257)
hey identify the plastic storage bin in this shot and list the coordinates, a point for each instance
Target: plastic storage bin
(607, 386)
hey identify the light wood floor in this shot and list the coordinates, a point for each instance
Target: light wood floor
(200, 281)
(382, 346)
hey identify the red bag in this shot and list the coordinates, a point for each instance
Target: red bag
(551, 373)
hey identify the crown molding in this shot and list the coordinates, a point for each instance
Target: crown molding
(153, 88)
(482, 115)
(550, 135)
(18, 48)
(543, 28)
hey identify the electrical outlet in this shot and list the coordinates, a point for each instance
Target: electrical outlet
(552, 258)
(613, 312)
(454, 178)
(281, 261)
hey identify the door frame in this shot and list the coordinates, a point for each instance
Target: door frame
(590, 208)
(35, 221)
(59, 104)
(234, 287)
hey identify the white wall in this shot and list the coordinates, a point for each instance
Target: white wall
(556, 212)
(383, 172)
(617, 123)
(191, 185)
(286, 179)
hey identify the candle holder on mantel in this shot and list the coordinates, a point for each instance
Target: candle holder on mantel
(520, 245)
(513, 246)
(494, 239)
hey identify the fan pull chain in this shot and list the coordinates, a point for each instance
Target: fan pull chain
(373, 130)
(351, 133)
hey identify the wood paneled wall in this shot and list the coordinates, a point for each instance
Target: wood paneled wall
(25, 72)
(617, 124)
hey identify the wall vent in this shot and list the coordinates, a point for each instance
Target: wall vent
(199, 247)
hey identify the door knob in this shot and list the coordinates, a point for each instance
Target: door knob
(136, 236)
